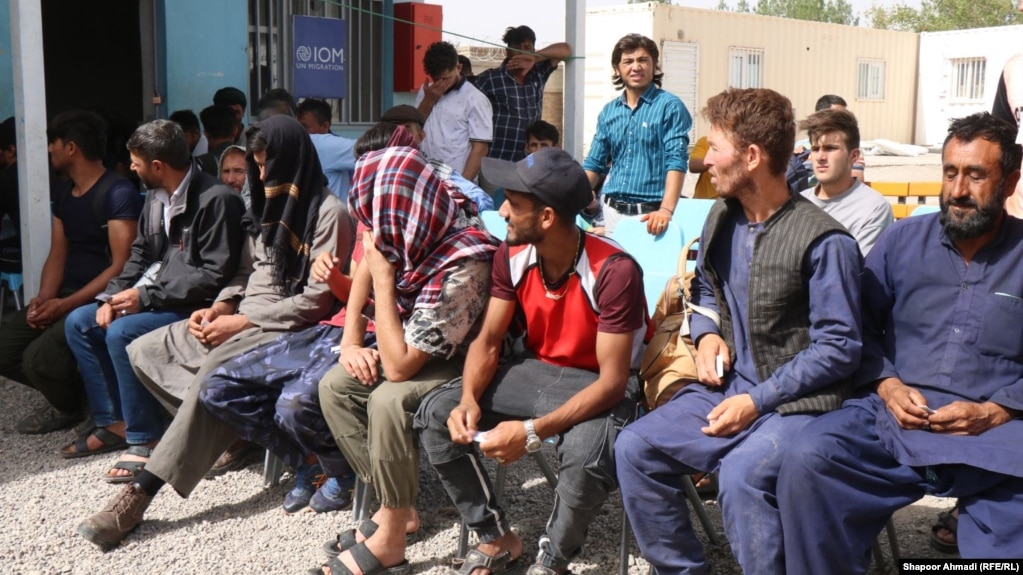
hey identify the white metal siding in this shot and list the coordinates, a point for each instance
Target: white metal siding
(682, 75)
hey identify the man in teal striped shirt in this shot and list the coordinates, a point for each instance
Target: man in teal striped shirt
(642, 141)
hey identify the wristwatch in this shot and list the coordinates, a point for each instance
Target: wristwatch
(533, 442)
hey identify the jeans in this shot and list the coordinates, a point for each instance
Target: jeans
(114, 392)
(524, 389)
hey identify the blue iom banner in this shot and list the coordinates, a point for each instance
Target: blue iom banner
(320, 69)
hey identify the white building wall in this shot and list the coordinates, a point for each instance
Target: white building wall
(936, 105)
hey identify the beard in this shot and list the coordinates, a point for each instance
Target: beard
(973, 224)
(519, 236)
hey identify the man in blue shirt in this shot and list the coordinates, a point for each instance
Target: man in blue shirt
(642, 140)
(940, 386)
(515, 89)
(783, 277)
(337, 154)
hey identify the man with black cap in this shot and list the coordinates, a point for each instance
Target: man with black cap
(581, 299)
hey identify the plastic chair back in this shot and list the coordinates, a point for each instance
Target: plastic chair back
(656, 255)
(495, 224)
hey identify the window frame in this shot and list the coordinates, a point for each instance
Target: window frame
(750, 73)
(871, 79)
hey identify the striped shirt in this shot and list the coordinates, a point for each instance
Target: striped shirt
(641, 145)
(515, 105)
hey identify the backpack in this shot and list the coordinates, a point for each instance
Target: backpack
(669, 362)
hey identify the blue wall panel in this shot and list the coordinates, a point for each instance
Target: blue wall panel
(204, 47)
(6, 64)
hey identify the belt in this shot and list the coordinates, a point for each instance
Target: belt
(632, 208)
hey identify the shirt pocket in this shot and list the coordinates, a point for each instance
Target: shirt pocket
(1001, 331)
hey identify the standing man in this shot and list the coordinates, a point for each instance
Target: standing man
(642, 141)
(236, 100)
(783, 277)
(834, 151)
(221, 131)
(94, 222)
(581, 297)
(188, 246)
(515, 89)
(940, 405)
(459, 119)
(337, 154)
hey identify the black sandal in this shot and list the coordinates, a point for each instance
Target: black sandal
(476, 559)
(946, 520)
(109, 441)
(347, 539)
(134, 467)
(367, 563)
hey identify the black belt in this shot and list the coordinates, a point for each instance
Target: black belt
(632, 208)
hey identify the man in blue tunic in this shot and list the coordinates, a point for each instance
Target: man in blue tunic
(941, 387)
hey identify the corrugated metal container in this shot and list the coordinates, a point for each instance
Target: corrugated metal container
(874, 70)
(958, 75)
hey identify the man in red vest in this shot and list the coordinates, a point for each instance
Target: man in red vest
(580, 297)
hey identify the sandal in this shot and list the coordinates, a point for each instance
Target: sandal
(946, 520)
(476, 559)
(134, 467)
(347, 539)
(538, 569)
(367, 562)
(109, 441)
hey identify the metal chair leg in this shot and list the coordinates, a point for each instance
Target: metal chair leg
(273, 468)
(697, 504)
(361, 497)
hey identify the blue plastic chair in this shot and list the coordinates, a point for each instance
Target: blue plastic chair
(923, 210)
(691, 215)
(656, 255)
(495, 224)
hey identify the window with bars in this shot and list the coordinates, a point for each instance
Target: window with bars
(270, 61)
(968, 79)
(870, 79)
(745, 67)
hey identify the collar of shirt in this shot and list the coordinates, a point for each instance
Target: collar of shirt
(647, 96)
(176, 203)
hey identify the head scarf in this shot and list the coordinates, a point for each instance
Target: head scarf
(286, 202)
(417, 223)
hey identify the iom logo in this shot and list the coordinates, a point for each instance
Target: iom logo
(325, 58)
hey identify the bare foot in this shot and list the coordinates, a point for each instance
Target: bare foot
(130, 458)
(93, 443)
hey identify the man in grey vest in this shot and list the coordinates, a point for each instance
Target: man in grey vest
(784, 278)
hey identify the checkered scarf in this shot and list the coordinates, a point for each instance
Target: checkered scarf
(422, 224)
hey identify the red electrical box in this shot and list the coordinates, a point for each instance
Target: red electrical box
(412, 40)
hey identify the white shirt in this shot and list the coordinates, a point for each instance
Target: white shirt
(459, 118)
(175, 203)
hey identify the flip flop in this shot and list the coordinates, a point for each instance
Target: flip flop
(135, 467)
(946, 520)
(109, 441)
(347, 539)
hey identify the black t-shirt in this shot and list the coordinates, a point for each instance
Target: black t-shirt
(88, 243)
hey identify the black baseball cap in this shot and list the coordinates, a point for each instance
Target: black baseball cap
(550, 174)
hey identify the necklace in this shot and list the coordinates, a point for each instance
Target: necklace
(551, 288)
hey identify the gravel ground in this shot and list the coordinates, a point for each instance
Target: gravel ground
(235, 525)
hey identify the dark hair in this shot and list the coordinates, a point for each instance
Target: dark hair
(439, 58)
(514, 36)
(255, 140)
(218, 122)
(466, 65)
(8, 137)
(756, 116)
(320, 109)
(187, 119)
(230, 97)
(993, 129)
(631, 43)
(375, 138)
(86, 129)
(543, 131)
(275, 101)
(829, 120)
(828, 100)
(161, 140)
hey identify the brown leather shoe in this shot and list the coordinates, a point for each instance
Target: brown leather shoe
(240, 455)
(121, 515)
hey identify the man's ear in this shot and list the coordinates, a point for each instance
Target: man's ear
(1011, 183)
(754, 157)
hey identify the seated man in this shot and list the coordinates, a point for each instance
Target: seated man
(427, 259)
(282, 229)
(336, 153)
(783, 277)
(834, 150)
(94, 222)
(234, 172)
(585, 323)
(188, 246)
(939, 405)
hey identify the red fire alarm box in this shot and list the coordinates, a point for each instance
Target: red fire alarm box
(411, 42)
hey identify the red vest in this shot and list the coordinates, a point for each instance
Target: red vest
(564, 331)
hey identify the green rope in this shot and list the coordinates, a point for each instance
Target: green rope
(435, 29)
